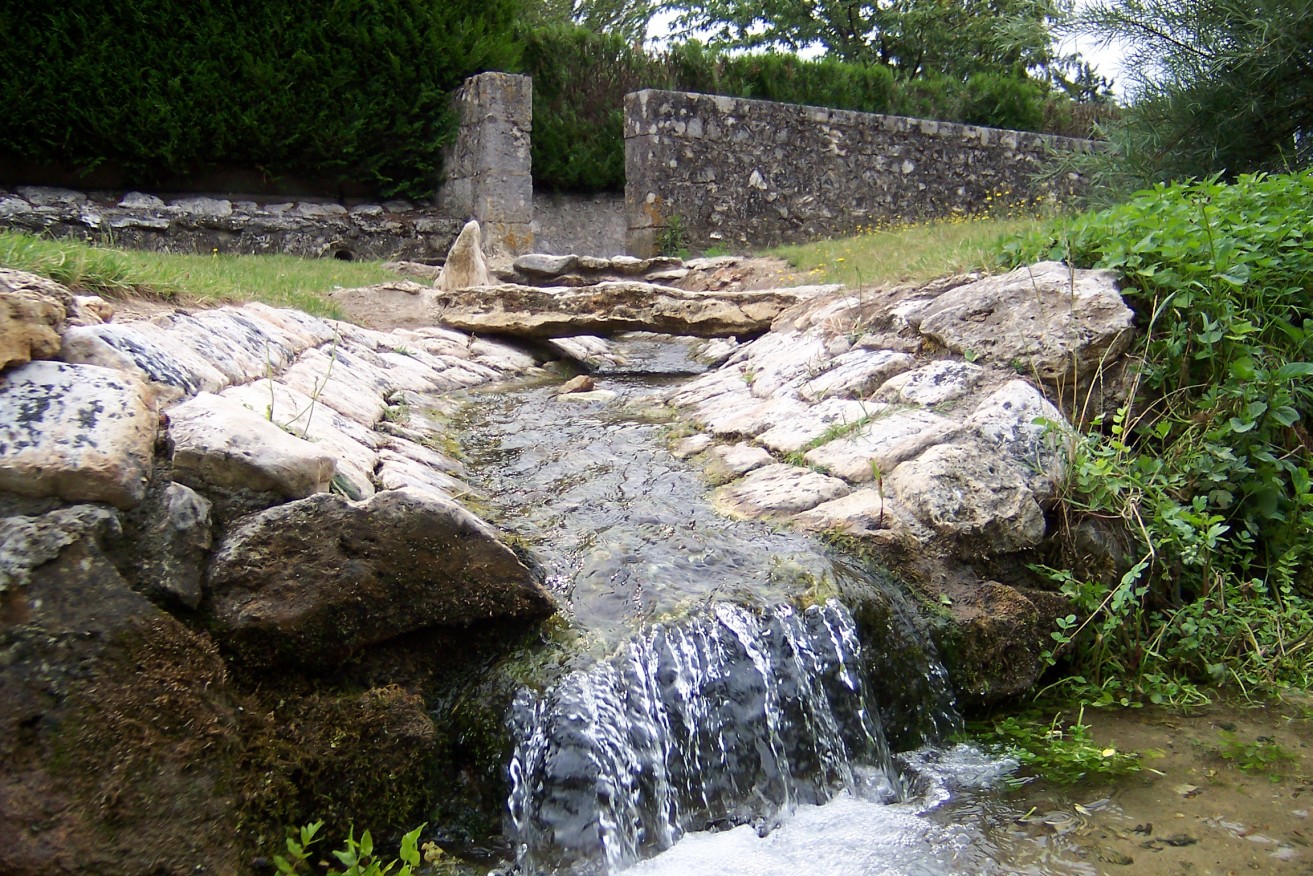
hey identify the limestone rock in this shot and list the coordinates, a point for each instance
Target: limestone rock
(171, 539)
(29, 542)
(733, 461)
(78, 432)
(219, 443)
(582, 383)
(1022, 427)
(777, 491)
(338, 380)
(692, 445)
(940, 382)
(974, 499)
(610, 307)
(350, 444)
(147, 351)
(892, 436)
(214, 208)
(316, 581)
(466, 266)
(855, 374)
(794, 433)
(869, 513)
(1047, 320)
(543, 265)
(89, 310)
(29, 326)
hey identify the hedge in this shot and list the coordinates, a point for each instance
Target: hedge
(343, 90)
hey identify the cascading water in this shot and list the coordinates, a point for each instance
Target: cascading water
(741, 715)
(725, 719)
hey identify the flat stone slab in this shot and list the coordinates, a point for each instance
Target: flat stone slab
(611, 307)
(147, 351)
(940, 382)
(776, 491)
(77, 432)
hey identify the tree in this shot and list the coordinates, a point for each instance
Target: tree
(1217, 87)
(623, 18)
(914, 37)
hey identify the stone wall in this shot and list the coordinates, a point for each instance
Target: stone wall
(198, 224)
(586, 224)
(489, 175)
(739, 173)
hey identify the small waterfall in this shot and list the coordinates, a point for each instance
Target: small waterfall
(717, 720)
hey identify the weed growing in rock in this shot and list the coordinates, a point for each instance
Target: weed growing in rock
(1206, 471)
(672, 240)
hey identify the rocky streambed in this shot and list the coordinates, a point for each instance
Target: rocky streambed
(261, 568)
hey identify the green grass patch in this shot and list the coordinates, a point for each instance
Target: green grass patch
(905, 253)
(278, 280)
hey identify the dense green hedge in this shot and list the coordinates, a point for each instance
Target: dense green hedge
(344, 90)
(580, 79)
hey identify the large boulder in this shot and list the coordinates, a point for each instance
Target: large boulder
(76, 432)
(314, 582)
(977, 502)
(117, 736)
(1045, 320)
(611, 307)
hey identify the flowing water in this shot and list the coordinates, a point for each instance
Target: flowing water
(711, 725)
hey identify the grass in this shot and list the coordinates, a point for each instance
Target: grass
(906, 253)
(278, 280)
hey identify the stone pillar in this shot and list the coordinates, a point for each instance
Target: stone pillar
(489, 173)
(644, 209)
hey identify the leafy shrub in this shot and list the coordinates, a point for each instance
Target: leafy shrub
(1209, 467)
(348, 90)
(357, 856)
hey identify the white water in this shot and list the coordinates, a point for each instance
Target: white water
(954, 827)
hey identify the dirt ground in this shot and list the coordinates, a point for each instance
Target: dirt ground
(1225, 790)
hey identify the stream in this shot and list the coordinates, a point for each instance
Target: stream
(741, 699)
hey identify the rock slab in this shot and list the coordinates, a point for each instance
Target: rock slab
(608, 308)
(219, 443)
